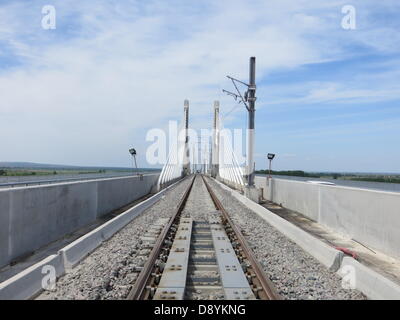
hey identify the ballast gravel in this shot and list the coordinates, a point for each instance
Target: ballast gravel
(110, 271)
(295, 273)
(199, 204)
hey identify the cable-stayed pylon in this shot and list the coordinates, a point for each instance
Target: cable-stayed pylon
(177, 163)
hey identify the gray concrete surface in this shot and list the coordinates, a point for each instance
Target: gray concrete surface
(294, 271)
(110, 270)
(358, 276)
(325, 254)
(32, 217)
(371, 283)
(28, 283)
(368, 216)
(380, 186)
(73, 253)
(388, 266)
(58, 178)
(4, 227)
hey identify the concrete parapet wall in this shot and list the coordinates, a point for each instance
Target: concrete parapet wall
(371, 283)
(32, 217)
(328, 256)
(368, 216)
(359, 276)
(29, 283)
(74, 252)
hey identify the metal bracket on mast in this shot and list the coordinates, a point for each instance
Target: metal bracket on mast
(244, 98)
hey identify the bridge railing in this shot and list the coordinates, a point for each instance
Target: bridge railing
(368, 216)
(50, 181)
(33, 217)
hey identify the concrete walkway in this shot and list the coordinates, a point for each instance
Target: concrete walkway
(52, 248)
(371, 258)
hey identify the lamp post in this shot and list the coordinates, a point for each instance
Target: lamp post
(270, 157)
(132, 151)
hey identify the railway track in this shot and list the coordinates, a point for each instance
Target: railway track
(201, 257)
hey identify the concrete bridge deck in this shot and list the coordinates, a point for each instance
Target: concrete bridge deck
(46, 208)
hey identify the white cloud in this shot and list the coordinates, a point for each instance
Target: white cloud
(84, 93)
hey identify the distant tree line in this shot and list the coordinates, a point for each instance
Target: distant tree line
(377, 179)
(335, 175)
(295, 173)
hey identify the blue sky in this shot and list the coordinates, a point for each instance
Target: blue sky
(328, 98)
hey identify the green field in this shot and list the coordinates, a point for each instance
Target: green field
(292, 173)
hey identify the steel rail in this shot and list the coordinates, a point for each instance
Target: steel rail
(145, 284)
(144, 280)
(264, 287)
